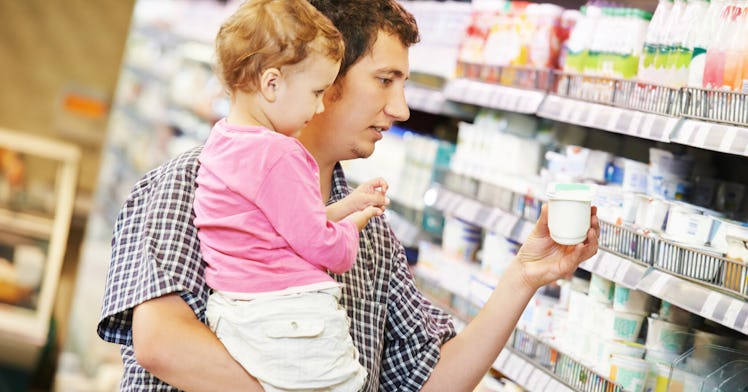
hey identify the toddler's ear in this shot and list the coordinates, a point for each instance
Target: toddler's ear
(269, 83)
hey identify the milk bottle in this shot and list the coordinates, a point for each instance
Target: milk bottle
(714, 68)
(699, 38)
(681, 50)
(668, 42)
(735, 51)
(655, 33)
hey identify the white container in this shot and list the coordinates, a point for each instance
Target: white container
(601, 289)
(685, 381)
(631, 301)
(629, 372)
(460, 238)
(666, 337)
(569, 206)
(673, 314)
(721, 228)
(686, 224)
(634, 176)
(621, 325)
(651, 213)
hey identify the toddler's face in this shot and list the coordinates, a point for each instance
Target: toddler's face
(300, 92)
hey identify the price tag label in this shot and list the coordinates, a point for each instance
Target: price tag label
(700, 135)
(658, 286)
(620, 275)
(602, 119)
(483, 216)
(566, 108)
(513, 366)
(500, 362)
(524, 373)
(727, 141)
(686, 132)
(506, 225)
(714, 136)
(710, 305)
(525, 230)
(592, 112)
(731, 316)
(659, 129)
(542, 383)
(647, 125)
(458, 90)
(485, 94)
(623, 123)
(607, 268)
(636, 122)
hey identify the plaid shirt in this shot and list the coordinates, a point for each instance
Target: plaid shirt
(155, 251)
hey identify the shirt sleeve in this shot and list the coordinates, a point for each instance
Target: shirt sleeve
(155, 249)
(416, 331)
(289, 197)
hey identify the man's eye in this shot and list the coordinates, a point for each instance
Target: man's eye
(319, 93)
(385, 81)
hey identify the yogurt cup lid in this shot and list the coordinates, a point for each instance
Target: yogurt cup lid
(569, 191)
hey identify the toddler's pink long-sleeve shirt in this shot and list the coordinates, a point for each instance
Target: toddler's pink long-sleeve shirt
(260, 218)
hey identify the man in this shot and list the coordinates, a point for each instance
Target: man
(155, 300)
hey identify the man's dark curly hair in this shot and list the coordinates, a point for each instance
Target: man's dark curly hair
(360, 20)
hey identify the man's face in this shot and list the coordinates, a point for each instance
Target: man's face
(365, 103)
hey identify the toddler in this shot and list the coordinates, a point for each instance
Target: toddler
(265, 234)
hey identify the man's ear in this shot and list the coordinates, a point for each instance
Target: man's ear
(269, 81)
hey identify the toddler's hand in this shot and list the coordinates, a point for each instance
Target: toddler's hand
(361, 218)
(370, 193)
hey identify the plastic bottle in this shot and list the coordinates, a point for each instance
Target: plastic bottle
(668, 43)
(653, 40)
(681, 50)
(580, 38)
(699, 38)
(714, 68)
(743, 85)
(732, 77)
(599, 46)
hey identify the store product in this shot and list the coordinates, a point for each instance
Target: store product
(621, 325)
(601, 289)
(666, 337)
(460, 238)
(736, 49)
(629, 372)
(654, 41)
(681, 48)
(569, 207)
(665, 60)
(699, 38)
(630, 300)
(714, 68)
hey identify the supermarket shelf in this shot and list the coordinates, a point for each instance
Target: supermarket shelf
(625, 258)
(616, 268)
(407, 231)
(528, 360)
(527, 373)
(472, 211)
(434, 101)
(725, 138)
(613, 119)
(26, 224)
(713, 305)
(494, 96)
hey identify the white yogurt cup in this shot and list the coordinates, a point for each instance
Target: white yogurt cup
(569, 207)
